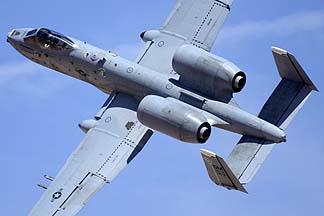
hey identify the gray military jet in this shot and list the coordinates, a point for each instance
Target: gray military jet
(176, 87)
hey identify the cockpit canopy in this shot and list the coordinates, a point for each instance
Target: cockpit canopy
(48, 39)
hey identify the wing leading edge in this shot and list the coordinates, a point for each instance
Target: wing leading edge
(103, 153)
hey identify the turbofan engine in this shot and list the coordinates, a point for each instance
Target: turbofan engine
(174, 118)
(206, 72)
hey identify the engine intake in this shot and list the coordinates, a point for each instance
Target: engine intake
(174, 118)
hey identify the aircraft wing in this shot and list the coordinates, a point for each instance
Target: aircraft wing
(196, 22)
(199, 21)
(103, 153)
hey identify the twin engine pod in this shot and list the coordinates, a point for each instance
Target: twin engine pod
(206, 72)
(174, 118)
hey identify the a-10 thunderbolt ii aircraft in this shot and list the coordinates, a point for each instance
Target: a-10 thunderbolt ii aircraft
(176, 87)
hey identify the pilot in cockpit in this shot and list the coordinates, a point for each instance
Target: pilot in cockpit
(47, 39)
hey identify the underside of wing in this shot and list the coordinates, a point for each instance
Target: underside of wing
(198, 20)
(104, 152)
(195, 22)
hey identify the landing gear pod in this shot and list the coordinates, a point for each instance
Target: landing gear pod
(86, 125)
(149, 35)
(174, 118)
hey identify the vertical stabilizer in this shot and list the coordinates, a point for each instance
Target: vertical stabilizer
(219, 172)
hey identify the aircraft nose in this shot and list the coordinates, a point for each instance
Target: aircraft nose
(9, 35)
(15, 35)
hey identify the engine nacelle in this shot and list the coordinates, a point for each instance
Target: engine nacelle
(206, 72)
(174, 118)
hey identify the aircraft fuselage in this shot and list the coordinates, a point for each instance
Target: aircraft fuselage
(110, 72)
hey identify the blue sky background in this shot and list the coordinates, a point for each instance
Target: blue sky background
(40, 110)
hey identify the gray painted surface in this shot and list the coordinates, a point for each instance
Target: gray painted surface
(104, 152)
(282, 106)
(169, 100)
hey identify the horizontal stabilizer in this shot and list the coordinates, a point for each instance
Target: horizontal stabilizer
(282, 106)
(219, 172)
